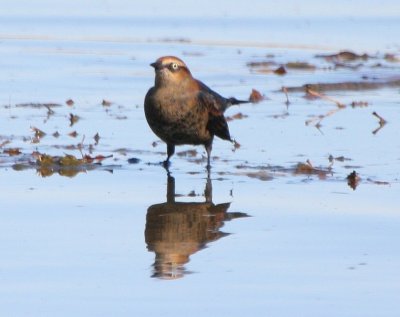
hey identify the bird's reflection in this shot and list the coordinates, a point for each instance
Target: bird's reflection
(176, 230)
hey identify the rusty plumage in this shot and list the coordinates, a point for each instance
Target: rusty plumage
(182, 110)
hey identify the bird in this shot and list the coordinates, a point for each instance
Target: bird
(182, 110)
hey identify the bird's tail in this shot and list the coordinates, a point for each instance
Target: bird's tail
(233, 101)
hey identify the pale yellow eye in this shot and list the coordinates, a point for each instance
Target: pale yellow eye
(174, 66)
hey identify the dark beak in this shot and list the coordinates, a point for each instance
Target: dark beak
(156, 65)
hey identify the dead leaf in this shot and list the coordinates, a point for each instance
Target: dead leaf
(12, 151)
(102, 157)
(353, 180)
(256, 96)
(44, 159)
(96, 138)
(304, 168)
(38, 133)
(106, 103)
(73, 119)
(280, 71)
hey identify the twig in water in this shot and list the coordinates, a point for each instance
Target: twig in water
(318, 119)
(80, 145)
(285, 91)
(382, 122)
(322, 96)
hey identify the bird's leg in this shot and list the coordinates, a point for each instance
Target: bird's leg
(170, 189)
(170, 152)
(208, 190)
(208, 147)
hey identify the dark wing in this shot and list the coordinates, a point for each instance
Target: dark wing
(222, 103)
(217, 124)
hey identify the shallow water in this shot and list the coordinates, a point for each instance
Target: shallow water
(275, 230)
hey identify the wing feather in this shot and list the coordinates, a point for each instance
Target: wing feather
(216, 124)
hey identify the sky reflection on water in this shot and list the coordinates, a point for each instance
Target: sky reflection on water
(88, 244)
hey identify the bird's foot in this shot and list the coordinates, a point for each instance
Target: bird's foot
(166, 164)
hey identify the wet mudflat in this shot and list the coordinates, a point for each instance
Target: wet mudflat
(301, 214)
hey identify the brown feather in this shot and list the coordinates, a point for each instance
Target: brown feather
(182, 110)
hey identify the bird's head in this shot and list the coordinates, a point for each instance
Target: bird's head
(170, 70)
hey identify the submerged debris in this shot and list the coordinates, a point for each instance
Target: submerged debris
(188, 153)
(392, 58)
(261, 64)
(262, 67)
(38, 105)
(331, 158)
(261, 175)
(308, 169)
(377, 182)
(67, 165)
(300, 66)
(279, 69)
(345, 86)
(12, 151)
(344, 56)
(359, 104)
(237, 116)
